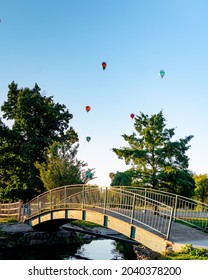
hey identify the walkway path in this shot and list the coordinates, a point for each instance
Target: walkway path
(182, 235)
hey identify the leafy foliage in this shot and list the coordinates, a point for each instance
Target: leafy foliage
(123, 178)
(37, 123)
(188, 252)
(62, 167)
(201, 190)
(158, 161)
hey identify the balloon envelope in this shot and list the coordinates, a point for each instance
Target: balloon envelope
(87, 108)
(88, 138)
(162, 73)
(111, 175)
(132, 116)
(104, 64)
(88, 175)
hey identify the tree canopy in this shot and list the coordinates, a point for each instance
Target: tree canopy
(201, 189)
(155, 157)
(62, 167)
(123, 178)
(37, 121)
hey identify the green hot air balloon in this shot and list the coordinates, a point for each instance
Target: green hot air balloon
(88, 175)
(88, 138)
(162, 73)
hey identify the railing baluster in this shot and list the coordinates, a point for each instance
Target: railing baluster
(50, 200)
(145, 199)
(175, 208)
(65, 197)
(105, 201)
(133, 208)
(83, 197)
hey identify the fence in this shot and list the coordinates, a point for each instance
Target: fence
(11, 210)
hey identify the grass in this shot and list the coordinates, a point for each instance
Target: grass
(197, 223)
(188, 252)
(84, 224)
(8, 220)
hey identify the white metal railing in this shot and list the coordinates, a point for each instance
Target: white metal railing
(122, 204)
(114, 200)
(186, 210)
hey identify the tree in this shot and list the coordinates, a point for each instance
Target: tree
(151, 152)
(123, 178)
(37, 122)
(12, 167)
(201, 190)
(177, 181)
(62, 167)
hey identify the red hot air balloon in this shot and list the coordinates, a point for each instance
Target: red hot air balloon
(87, 108)
(104, 64)
(132, 116)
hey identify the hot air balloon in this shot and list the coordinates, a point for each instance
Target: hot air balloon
(87, 108)
(132, 116)
(111, 175)
(88, 175)
(88, 138)
(104, 64)
(162, 73)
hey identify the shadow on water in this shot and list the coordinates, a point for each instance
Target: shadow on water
(97, 249)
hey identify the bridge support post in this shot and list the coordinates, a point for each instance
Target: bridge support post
(105, 223)
(133, 232)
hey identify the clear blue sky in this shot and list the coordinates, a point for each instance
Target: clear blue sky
(60, 46)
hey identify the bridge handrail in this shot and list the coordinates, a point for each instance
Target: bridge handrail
(187, 210)
(134, 207)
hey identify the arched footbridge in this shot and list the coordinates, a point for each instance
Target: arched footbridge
(142, 214)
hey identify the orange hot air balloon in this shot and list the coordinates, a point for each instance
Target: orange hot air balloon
(87, 108)
(132, 116)
(111, 175)
(104, 64)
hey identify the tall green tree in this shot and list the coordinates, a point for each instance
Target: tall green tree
(62, 167)
(37, 122)
(152, 152)
(201, 189)
(123, 178)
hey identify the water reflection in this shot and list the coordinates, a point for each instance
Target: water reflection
(98, 249)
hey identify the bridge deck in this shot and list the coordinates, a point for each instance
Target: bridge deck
(181, 235)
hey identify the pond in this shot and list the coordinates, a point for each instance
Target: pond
(97, 249)
(105, 249)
